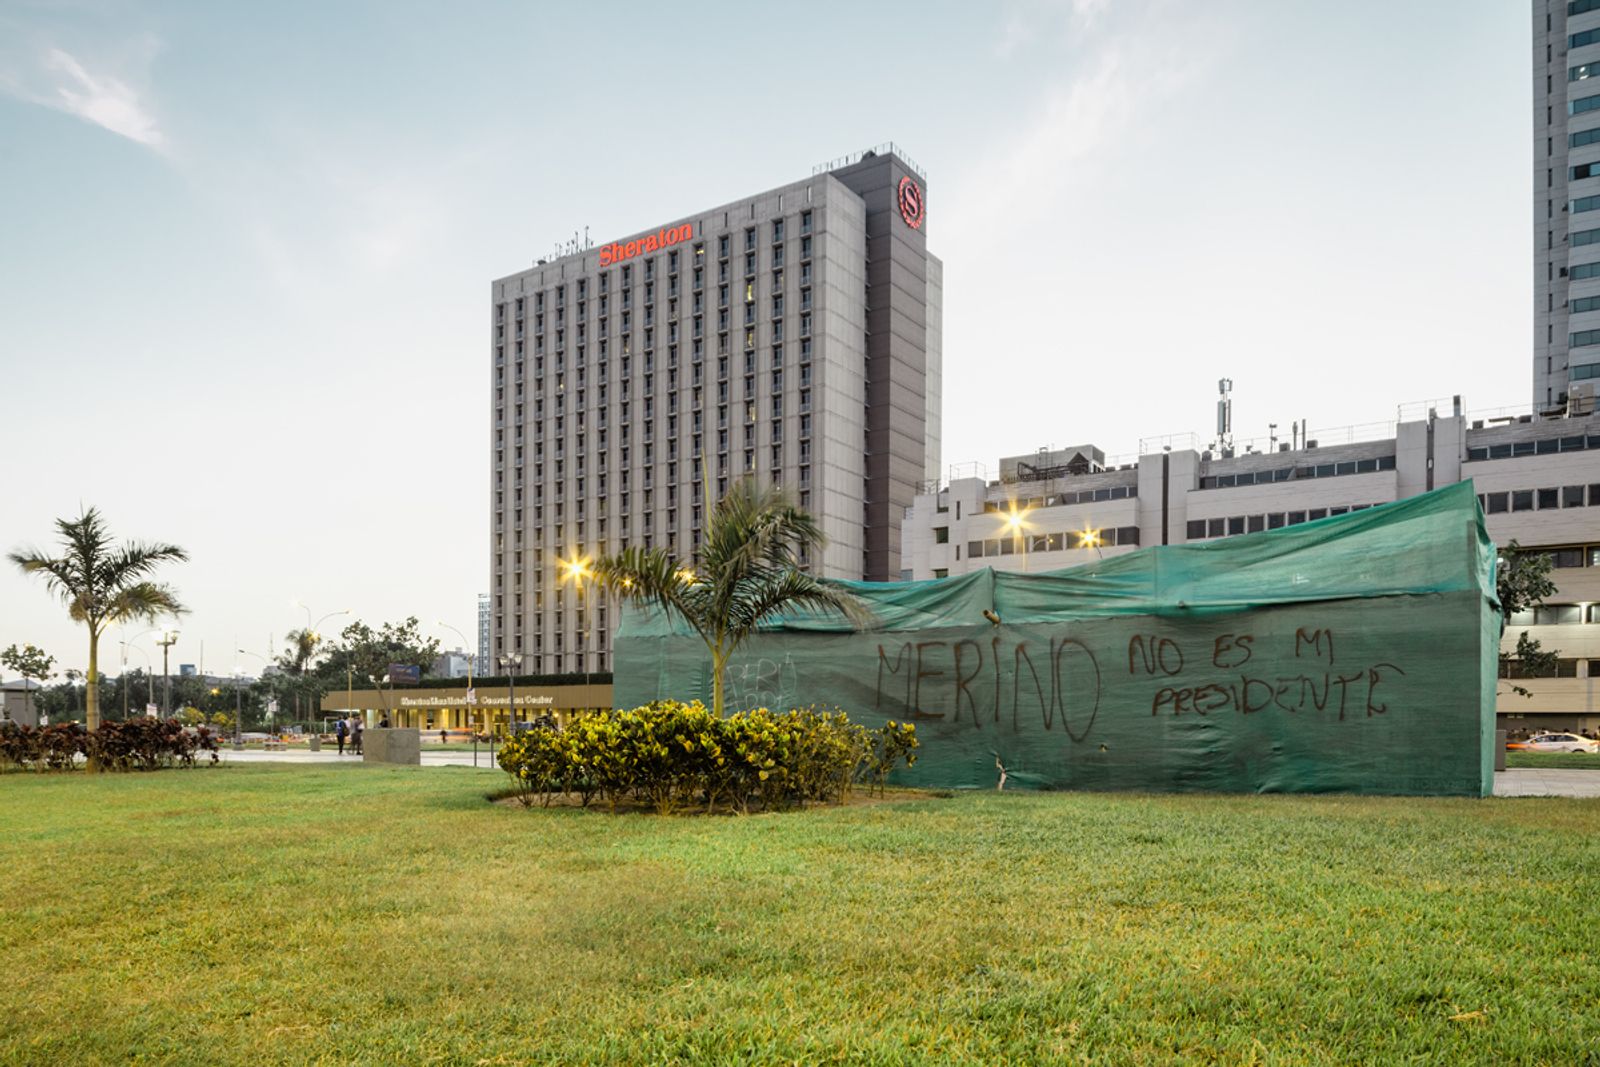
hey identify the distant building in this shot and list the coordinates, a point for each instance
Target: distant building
(457, 663)
(484, 634)
(187, 670)
(17, 705)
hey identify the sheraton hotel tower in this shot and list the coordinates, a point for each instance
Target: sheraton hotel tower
(792, 336)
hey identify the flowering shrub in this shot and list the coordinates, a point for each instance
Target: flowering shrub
(670, 756)
(135, 744)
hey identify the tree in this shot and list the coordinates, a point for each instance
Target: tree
(103, 584)
(296, 661)
(1522, 581)
(749, 571)
(30, 662)
(366, 653)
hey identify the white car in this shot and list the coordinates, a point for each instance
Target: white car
(1560, 743)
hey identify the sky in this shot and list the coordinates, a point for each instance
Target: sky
(245, 250)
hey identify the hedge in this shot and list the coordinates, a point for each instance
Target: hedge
(670, 755)
(131, 745)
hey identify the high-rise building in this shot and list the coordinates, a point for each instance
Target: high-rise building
(792, 336)
(1566, 203)
(485, 665)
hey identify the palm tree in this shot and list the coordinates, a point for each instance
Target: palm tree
(102, 584)
(748, 572)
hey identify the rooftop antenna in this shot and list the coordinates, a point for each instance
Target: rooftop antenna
(1225, 415)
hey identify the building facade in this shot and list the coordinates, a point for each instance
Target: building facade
(792, 337)
(485, 637)
(1537, 478)
(1566, 203)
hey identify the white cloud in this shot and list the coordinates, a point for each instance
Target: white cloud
(102, 99)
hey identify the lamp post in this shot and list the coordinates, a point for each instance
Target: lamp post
(265, 663)
(509, 663)
(316, 636)
(167, 640)
(238, 712)
(577, 569)
(458, 633)
(124, 679)
(149, 674)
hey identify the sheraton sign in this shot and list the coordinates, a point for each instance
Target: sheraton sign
(617, 251)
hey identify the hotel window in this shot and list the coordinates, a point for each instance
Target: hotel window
(805, 248)
(805, 222)
(749, 238)
(722, 246)
(750, 265)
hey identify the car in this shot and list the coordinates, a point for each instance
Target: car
(1556, 743)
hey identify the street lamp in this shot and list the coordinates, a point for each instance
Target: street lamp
(167, 640)
(265, 663)
(149, 673)
(124, 679)
(1090, 538)
(316, 637)
(509, 663)
(577, 569)
(470, 693)
(1016, 522)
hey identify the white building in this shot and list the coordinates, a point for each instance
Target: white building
(1538, 480)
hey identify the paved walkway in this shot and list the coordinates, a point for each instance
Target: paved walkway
(1518, 782)
(1529, 782)
(331, 755)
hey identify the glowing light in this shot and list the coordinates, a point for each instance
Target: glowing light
(686, 575)
(1088, 538)
(1016, 521)
(576, 568)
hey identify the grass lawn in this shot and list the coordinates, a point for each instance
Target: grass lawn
(1581, 761)
(355, 914)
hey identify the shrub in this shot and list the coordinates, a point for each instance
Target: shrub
(134, 744)
(670, 755)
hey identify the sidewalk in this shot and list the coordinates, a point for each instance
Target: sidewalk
(331, 755)
(1520, 782)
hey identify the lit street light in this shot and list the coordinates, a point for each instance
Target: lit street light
(577, 569)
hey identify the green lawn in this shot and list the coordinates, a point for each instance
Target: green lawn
(1581, 761)
(355, 914)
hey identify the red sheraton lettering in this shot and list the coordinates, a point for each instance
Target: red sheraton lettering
(617, 251)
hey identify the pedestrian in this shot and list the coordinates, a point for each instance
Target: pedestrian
(383, 721)
(444, 738)
(356, 728)
(340, 731)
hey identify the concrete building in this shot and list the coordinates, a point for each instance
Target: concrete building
(19, 702)
(1566, 203)
(456, 663)
(485, 636)
(1537, 478)
(792, 336)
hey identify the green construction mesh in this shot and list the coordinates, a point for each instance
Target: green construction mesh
(1355, 654)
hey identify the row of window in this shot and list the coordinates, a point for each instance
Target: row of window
(1055, 500)
(1051, 542)
(1233, 525)
(1285, 474)
(1565, 496)
(1579, 7)
(1542, 447)
(1556, 615)
(1562, 668)
(1578, 40)
(1582, 104)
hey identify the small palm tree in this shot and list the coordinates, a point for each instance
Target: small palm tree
(749, 571)
(102, 585)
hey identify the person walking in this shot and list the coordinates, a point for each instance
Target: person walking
(340, 731)
(356, 728)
